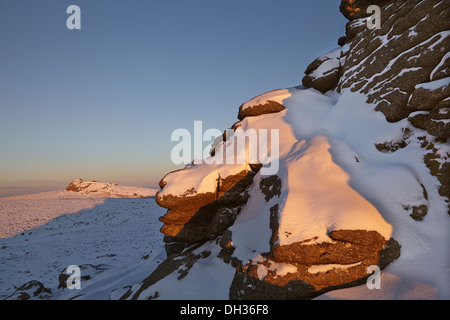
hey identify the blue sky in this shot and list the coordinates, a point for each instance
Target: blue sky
(101, 102)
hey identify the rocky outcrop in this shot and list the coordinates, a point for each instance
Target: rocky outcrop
(403, 68)
(356, 9)
(324, 72)
(198, 217)
(270, 102)
(31, 290)
(78, 185)
(402, 71)
(266, 108)
(107, 190)
(303, 273)
(304, 269)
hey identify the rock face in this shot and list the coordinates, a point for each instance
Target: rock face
(310, 271)
(435, 122)
(300, 248)
(403, 68)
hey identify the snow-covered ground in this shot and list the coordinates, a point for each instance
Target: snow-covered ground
(42, 234)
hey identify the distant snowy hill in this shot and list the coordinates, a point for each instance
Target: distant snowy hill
(107, 190)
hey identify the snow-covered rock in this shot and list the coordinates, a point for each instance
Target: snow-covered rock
(307, 214)
(30, 290)
(204, 201)
(323, 73)
(353, 190)
(269, 102)
(388, 64)
(403, 69)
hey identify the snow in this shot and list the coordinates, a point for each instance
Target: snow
(280, 269)
(358, 22)
(442, 36)
(334, 54)
(412, 33)
(439, 65)
(316, 194)
(434, 85)
(326, 67)
(405, 70)
(314, 269)
(209, 279)
(437, 4)
(444, 110)
(330, 62)
(329, 205)
(198, 179)
(251, 228)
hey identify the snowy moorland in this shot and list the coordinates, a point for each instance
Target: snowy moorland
(42, 234)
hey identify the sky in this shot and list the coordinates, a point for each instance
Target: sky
(101, 102)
